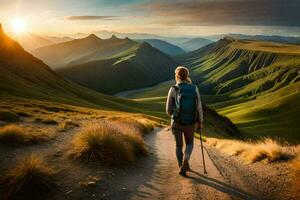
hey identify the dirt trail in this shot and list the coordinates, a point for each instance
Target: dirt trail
(158, 177)
(152, 177)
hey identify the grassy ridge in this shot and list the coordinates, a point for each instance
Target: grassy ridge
(254, 83)
(274, 114)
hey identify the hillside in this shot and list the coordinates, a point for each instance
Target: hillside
(23, 76)
(244, 67)
(255, 82)
(163, 46)
(138, 67)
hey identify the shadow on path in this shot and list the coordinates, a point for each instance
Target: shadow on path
(220, 186)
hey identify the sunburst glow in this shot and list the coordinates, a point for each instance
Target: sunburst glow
(19, 26)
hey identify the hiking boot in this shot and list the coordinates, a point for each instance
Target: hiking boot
(188, 167)
(182, 173)
(185, 166)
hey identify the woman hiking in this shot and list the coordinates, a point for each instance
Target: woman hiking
(185, 109)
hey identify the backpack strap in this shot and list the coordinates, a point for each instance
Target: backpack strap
(175, 100)
(176, 88)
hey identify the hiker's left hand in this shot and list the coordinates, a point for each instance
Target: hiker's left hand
(200, 125)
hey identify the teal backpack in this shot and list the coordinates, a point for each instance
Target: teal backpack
(185, 104)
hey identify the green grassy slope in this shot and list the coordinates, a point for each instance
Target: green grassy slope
(158, 91)
(244, 68)
(245, 80)
(275, 114)
(137, 67)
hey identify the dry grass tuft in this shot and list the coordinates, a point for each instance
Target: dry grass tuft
(143, 125)
(109, 142)
(31, 179)
(267, 149)
(14, 134)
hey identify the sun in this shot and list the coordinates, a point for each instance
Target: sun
(19, 26)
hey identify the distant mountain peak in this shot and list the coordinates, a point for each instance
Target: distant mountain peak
(229, 39)
(145, 45)
(114, 37)
(92, 36)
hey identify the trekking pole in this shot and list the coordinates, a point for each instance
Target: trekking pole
(200, 132)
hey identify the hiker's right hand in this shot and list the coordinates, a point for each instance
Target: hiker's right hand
(200, 125)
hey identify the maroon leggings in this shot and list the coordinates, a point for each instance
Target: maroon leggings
(188, 132)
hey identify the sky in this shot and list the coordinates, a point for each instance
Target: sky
(164, 17)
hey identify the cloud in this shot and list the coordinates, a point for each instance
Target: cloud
(224, 12)
(92, 17)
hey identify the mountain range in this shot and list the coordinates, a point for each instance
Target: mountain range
(184, 43)
(108, 65)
